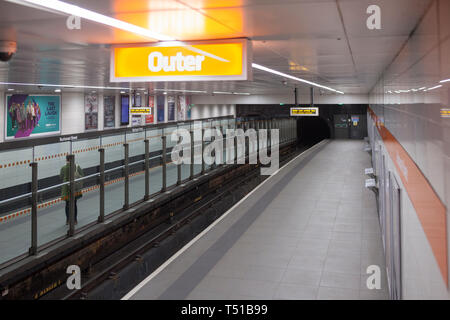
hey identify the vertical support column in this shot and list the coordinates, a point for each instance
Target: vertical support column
(312, 96)
(71, 230)
(179, 166)
(147, 169)
(203, 149)
(126, 204)
(164, 166)
(34, 199)
(191, 175)
(101, 216)
(296, 97)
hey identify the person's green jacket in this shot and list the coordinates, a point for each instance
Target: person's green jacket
(64, 175)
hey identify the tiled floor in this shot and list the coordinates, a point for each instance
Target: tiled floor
(312, 237)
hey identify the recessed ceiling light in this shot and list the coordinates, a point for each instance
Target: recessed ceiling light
(57, 90)
(164, 92)
(10, 89)
(438, 86)
(284, 75)
(74, 10)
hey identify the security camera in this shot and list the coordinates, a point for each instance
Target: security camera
(7, 50)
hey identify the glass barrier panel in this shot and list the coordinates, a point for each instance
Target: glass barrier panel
(155, 145)
(87, 160)
(114, 172)
(171, 168)
(136, 165)
(197, 127)
(15, 228)
(186, 167)
(51, 159)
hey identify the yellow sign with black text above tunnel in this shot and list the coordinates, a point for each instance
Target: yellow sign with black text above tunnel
(182, 61)
(305, 112)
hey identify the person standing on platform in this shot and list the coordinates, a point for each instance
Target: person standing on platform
(65, 191)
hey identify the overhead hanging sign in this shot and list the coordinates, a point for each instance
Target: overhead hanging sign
(182, 61)
(305, 112)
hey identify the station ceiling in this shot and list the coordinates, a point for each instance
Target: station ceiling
(325, 41)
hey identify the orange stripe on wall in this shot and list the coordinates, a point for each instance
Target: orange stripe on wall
(429, 208)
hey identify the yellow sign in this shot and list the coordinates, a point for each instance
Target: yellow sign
(445, 113)
(311, 112)
(140, 111)
(182, 61)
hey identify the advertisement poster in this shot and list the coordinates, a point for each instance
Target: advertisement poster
(32, 115)
(90, 112)
(124, 110)
(136, 120)
(171, 108)
(189, 108)
(160, 106)
(109, 109)
(181, 108)
(150, 118)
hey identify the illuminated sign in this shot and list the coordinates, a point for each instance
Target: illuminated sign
(445, 113)
(140, 111)
(182, 61)
(305, 112)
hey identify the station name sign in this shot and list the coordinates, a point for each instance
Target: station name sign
(305, 112)
(182, 61)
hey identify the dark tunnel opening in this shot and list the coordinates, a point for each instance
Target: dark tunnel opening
(312, 130)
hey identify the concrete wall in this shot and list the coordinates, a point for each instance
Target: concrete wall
(414, 120)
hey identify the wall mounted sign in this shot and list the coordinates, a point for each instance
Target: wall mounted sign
(90, 112)
(109, 110)
(182, 61)
(171, 108)
(160, 100)
(149, 118)
(445, 113)
(305, 112)
(32, 115)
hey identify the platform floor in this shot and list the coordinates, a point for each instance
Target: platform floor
(308, 232)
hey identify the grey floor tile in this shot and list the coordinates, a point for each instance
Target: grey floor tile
(340, 280)
(306, 277)
(295, 292)
(327, 293)
(343, 264)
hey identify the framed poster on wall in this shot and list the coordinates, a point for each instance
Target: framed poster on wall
(171, 108)
(109, 110)
(181, 108)
(150, 118)
(160, 106)
(32, 115)
(124, 110)
(90, 112)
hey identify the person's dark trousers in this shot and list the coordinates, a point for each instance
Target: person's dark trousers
(68, 209)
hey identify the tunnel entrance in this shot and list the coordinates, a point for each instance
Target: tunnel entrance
(312, 130)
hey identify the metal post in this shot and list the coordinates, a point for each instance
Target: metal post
(164, 166)
(34, 199)
(126, 204)
(191, 176)
(296, 97)
(179, 166)
(147, 169)
(312, 96)
(71, 230)
(101, 217)
(203, 149)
